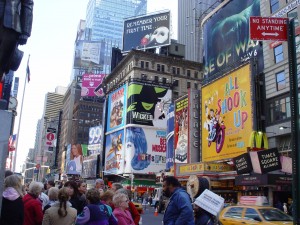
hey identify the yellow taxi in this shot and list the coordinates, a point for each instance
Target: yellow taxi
(139, 207)
(252, 215)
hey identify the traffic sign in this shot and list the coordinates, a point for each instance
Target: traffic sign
(268, 28)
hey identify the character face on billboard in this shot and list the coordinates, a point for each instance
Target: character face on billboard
(160, 35)
(136, 141)
(116, 114)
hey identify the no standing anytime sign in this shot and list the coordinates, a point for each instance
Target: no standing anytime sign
(268, 28)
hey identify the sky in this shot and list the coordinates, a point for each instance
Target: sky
(51, 48)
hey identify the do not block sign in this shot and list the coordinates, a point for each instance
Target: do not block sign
(268, 28)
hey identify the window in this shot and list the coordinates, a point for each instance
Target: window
(195, 86)
(188, 84)
(297, 40)
(178, 71)
(156, 79)
(162, 68)
(234, 212)
(173, 70)
(175, 83)
(279, 110)
(158, 67)
(176, 48)
(278, 53)
(252, 214)
(147, 65)
(196, 74)
(164, 80)
(280, 80)
(284, 143)
(274, 4)
(188, 73)
(144, 77)
(142, 64)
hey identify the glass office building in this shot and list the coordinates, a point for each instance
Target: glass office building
(105, 20)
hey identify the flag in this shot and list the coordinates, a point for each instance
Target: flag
(28, 72)
(12, 142)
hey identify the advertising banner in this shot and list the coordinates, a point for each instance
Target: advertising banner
(243, 164)
(227, 115)
(148, 104)
(74, 159)
(90, 82)
(170, 138)
(95, 140)
(114, 153)
(148, 31)
(194, 125)
(226, 37)
(181, 130)
(89, 167)
(145, 150)
(50, 137)
(89, 54)
(116, 111)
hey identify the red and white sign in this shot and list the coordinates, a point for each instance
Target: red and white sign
(50, 137)
(268, 28)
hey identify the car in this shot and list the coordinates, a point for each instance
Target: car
(245, 214)
(139, 207)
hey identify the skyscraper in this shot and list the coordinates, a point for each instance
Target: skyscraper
(105, 19)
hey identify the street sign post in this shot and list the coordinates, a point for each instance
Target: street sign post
(268, 28)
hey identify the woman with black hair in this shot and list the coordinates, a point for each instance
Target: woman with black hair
(77, 202)
(61, 212)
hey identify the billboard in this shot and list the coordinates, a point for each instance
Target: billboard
(226, 38)
(170, 138)
(89, 167)
(145, 150)
(116, 109)
(227, 115)
(114, 153)
(90, 82)
(95, 140)
(148, 104)
(74, 159)
(181, 130)
(89, 54)
(149, 31)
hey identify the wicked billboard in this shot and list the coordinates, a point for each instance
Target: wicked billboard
(226, 36)
(148, 31)
(148, 104)
(116, 109)
(145, 150)
(227, 115)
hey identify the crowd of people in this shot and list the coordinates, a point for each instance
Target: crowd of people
(68, 204)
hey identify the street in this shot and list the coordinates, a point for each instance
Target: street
(148, 217)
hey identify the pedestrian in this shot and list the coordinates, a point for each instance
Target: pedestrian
(116, 186)
(33, 214)
(61, 212)
(95, 212)
(107, 197)
(53, 197)
(75, 199)
(49, 184)
(131, 207)
(179, 209)
(12, 211)
(124, 217)
(99, 184)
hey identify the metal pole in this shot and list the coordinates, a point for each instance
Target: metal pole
(294, 120)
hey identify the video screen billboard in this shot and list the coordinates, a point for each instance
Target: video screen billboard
(74, 159)
(227, 115)
(116, 109)
(95, 140)
(114, 153)
(145, 150)
(148, 104)
(226, 38)
(90, 82)
(149, 31)
(181, 130)
(89, 54)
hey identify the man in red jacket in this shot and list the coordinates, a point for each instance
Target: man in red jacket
(33, 214)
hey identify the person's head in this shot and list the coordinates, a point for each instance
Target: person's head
(99, 184)
(116, 186)
(169, 185)
(93, 196)
(123, 191)
(120, 200)
(35, 188)
(73, 188)
(63, 197)
(82, 187)
(15, 182)
(53, 193)
(107, 197)
(76, 150)
(8, 173)
(50, 184)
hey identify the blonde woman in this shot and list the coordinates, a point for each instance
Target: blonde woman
(61, 212)
(12, 212)
(124, 217)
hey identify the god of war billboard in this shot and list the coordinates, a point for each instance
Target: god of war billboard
(148, 31)
(226, 36)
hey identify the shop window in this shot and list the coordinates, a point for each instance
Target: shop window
(234, 212)
(280, 80)
(274, 5)
(278, 53)
(251, 214)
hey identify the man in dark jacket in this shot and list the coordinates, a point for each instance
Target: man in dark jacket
(179, 210)
(15, 28)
